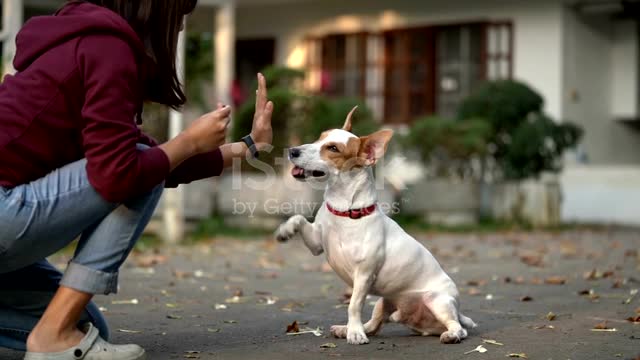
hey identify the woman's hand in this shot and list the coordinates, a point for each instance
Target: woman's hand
(209, 132)
(261, 132)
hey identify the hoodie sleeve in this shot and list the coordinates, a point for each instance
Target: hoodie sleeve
(197, 167)
(116, 169)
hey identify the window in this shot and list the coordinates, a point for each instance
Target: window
(407, 73)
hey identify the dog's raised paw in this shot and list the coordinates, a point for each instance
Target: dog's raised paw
(284, 232)
(357, 336)
(339, 331)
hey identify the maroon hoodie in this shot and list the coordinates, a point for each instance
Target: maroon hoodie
(76, 95)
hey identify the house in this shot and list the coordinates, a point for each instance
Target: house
(408, 58)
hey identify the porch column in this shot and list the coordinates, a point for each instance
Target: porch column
(224, 42)
(173, 202)
(12, 19)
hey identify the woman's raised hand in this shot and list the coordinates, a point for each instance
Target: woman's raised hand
(261, 131)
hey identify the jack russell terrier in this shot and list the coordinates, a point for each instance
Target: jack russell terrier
(366, 248)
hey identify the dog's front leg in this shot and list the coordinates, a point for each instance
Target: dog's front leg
(311, 233)
(354, 330)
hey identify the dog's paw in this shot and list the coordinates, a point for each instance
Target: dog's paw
(450, 337)
(287, 230)
(339, 331)
(356, 335)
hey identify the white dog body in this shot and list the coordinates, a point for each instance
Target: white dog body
(371, 253)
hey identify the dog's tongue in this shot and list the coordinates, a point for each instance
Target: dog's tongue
(297, 171)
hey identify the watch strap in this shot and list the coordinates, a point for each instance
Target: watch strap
(251, 145)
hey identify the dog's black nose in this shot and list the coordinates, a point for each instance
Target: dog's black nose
(294, 152)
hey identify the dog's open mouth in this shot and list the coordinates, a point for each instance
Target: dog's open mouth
(300, 173)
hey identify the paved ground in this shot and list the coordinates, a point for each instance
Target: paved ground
(176, 310)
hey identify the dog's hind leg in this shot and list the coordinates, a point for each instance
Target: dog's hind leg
(381, 312)
(311, 233)
(445, 309)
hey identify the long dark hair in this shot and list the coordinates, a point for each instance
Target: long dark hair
(158, 24)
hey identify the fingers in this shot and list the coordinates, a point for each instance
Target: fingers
(265, 119)
(261, 94)
(223, 111)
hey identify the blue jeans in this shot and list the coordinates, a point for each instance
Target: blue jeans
(42, 217)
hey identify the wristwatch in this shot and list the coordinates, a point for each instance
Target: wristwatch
(251, 145)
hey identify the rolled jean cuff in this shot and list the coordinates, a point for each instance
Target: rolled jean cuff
(82, 278)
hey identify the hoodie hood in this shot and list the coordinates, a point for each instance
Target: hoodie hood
(76, 18)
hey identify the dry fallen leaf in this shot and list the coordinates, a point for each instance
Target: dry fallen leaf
(518, 355)
(517, 280)
(192, 354)
(536, 281)
(145, 261)
(235, 300)
(602, 327)
(174, 317)
(293, 328)
(551, 316)
(474, 291)
(544, 327)
(476, 282)
(267, 300)
(213, 330)
(181, 274)
(595, 274)
(328, 346)
(634, 319)
(492, 342)
(532, 260)
(125, 302)
(526, 298)
(555, 280)
(292, 305)
(480, 349)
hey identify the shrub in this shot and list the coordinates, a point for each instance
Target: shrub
(523, 142)
(448, 147)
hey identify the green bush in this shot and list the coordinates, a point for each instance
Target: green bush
(299, 117)
(523, 142)
(447, 146)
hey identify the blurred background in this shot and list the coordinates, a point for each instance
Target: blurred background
(507, 112)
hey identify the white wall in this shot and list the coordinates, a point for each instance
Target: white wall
(588, 95)
(624, 66)
(597, 194)
(537, 26)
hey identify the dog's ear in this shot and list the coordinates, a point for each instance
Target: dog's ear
(347, 123)
(373, 147)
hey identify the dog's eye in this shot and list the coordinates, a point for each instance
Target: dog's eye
(333, 148)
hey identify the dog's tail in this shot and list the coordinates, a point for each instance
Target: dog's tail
(466, 321)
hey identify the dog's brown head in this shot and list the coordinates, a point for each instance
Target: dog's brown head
(338, 150)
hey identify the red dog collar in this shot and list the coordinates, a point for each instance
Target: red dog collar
(353, 213)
